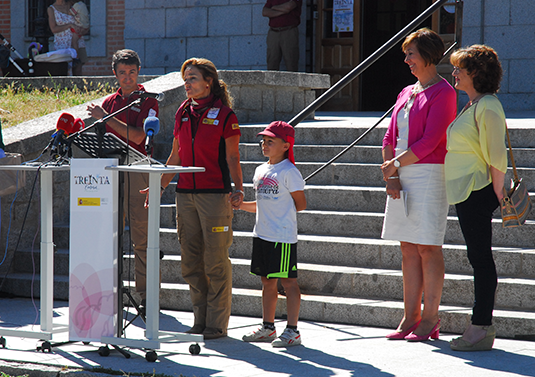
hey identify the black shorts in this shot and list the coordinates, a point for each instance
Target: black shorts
(274, 259)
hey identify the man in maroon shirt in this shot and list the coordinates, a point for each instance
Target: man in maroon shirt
(283, 35)
(128, 126)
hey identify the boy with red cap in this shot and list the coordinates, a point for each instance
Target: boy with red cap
(279, 189)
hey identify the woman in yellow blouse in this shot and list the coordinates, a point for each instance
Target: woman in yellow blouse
(475, 167)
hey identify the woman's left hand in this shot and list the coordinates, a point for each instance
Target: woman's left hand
(388, 169)
(393, 188)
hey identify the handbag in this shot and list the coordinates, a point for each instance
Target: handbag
(11, 180)
(516, 204)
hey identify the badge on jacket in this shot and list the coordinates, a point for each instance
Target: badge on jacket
(213, 113)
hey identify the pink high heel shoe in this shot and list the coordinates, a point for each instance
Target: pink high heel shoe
(421, 338)
(400, 335)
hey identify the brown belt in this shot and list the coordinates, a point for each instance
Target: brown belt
(284, 28)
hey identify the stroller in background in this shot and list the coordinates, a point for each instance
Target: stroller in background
(49, 64)
(5, 55)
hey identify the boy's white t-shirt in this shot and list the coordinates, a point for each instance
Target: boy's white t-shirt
(276, 217)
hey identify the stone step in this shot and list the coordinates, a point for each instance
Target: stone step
(318, 153)
(334, 251)
(524, 157)
(320, 308)
(360, 174)
(354, 282)
(344, 132)
(367, 225)
(327, 198)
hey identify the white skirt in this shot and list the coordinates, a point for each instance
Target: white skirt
(423, 220)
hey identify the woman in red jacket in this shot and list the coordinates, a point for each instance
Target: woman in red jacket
(206, 134)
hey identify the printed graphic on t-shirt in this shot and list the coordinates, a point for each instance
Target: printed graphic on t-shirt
(267, 188)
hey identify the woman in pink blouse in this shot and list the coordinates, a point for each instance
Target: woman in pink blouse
(414, 148)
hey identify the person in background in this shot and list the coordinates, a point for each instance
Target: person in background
(414, 148)
(206, 134)
(279, 189)
(61, 23)
(81, 17)
(283, 35)
(128, 126)
(476, 164)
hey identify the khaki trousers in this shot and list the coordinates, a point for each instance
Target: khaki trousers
(204, 224)
(283, 44)
(138, 218)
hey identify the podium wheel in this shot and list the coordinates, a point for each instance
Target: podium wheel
(151, 356)
(195, 349)
(45, 347)
(104, 351)
(3, 342)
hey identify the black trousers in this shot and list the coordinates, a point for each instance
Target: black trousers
(475, 216)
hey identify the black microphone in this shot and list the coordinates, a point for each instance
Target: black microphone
(151, 128)
(57, 139)
(157, 96)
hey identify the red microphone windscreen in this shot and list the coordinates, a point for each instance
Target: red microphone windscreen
(65, 123)
(78, 125)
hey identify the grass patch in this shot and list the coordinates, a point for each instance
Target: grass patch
(19, 104)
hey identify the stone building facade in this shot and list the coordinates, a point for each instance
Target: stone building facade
(232, 34)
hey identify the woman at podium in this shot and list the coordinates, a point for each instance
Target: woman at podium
(206, 134)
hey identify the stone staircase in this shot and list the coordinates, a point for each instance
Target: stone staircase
(347, 274)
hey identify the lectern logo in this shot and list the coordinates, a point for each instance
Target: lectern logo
(92, 183)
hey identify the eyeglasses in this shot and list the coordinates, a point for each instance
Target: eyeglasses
(456, 69)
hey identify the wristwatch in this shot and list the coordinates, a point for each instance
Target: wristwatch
(397, 164)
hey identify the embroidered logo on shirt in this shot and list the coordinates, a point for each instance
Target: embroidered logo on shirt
(215, 122)
(235, 126)
(185, 119)
(136, 109)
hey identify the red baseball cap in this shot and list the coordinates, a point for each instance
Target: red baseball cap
(284, 131)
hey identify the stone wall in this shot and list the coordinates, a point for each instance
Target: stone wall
(231, 33)
(508, 27)
(259, 96)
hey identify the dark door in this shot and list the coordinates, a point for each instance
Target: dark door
(380, 21)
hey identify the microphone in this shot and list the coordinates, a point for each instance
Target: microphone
(151, 128)
(64, 126)
(157, 96)
(78, 125)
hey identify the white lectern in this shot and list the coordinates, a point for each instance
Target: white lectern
(153, 336)
(47, 254)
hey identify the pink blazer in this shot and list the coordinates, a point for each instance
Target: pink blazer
(431, 114)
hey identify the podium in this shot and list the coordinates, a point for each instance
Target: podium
(154, 337)
(48, 328)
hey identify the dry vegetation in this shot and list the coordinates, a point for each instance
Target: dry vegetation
(19, 104)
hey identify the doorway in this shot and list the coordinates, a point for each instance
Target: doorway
(338, 52)
(381, 20)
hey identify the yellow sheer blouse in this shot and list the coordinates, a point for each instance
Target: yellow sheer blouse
(472, 148)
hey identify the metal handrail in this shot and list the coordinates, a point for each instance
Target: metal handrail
(366, 63)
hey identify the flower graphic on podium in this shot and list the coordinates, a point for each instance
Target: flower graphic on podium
(93, 308)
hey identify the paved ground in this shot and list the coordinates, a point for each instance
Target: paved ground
(327, 350)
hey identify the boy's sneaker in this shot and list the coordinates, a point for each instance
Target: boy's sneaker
(287, 339)
(262, 334)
